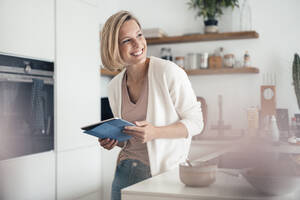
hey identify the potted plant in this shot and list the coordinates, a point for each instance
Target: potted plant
(210, 10)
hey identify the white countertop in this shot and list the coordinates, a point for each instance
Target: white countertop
(168, 186)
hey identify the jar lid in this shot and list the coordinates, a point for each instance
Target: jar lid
(229, 56)
(179, 58)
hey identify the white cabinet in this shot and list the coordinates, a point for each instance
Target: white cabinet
(28, 177)
(77, 99)
(77, 73)
(27, 28)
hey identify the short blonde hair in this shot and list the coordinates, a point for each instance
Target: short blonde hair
(110, 54)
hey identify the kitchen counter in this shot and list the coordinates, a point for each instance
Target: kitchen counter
(167, 186)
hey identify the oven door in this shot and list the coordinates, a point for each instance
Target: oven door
(26, 114)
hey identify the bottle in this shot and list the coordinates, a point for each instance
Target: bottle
(274, 130)
(245, 16)
(246, 59)
(166, 53)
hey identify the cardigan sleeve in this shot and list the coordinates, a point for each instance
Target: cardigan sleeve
(185, 100)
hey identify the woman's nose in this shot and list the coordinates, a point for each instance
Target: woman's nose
(135, 43)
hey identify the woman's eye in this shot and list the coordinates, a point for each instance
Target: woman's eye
(126, 41)
(140, 34)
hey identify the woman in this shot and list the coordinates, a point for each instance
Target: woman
(154, 94)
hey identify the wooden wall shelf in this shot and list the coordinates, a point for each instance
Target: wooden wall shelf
(242, 70)
(106, 72)
(203, 37)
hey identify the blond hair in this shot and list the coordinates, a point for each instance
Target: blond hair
(110, 54)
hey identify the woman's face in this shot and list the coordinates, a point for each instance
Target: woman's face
(132, 44)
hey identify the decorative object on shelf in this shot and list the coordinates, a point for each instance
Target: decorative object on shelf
(179, 60)
(296, 77)
(154, 33)
(246, 59)
(203, 59)
(192, 61)
(166, 53)
(245, 16)
(229, 60)
(214, 62)
(210, 10)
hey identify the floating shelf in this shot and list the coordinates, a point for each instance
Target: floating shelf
(203, 37)
(242, 70)
(106, 72)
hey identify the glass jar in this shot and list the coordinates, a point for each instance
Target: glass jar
(203, 60)
(228, 60)
(179, 60)
(192, 61)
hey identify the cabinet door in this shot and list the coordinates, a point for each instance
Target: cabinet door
(27, 28)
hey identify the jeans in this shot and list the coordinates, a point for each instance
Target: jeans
(128, 172)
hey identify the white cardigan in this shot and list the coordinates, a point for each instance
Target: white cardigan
(170, 99)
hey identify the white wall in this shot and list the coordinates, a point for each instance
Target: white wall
(271, 53)
(278, 26)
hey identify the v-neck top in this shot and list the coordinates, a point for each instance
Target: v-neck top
(134, 112)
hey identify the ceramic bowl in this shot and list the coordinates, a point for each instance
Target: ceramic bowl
(199, 175)
(272, 184)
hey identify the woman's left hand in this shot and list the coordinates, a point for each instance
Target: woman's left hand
(143, 131)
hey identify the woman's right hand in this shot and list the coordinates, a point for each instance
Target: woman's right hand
(108, 143)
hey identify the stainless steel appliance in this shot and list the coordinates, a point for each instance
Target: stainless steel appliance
(26, 106)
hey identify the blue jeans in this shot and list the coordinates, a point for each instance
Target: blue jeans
(128, 172)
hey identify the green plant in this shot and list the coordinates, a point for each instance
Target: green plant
(210, 9)
(296, 77)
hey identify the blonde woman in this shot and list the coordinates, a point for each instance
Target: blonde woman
(154, 94)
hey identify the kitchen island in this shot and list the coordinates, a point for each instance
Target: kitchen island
(167, 186)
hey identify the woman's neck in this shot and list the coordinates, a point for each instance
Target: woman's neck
(137, 73)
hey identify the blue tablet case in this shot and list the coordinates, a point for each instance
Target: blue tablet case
(109, 129)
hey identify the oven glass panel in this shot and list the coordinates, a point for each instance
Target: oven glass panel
(26, 107)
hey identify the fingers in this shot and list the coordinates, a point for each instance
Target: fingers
(141, 123)
(134, 130)
(108, 143)
(134, 133)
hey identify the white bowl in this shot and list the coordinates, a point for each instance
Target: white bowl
(199, 175)
(272, 184)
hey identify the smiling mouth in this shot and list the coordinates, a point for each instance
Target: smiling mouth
(138, 53)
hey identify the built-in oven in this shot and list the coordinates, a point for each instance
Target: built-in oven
(26, 106)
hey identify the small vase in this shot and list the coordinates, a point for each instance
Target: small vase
(245, 16)
(211, 26)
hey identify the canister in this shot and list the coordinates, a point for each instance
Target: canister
(179, 60)
(192, 60)
(229, 60)
(203, 60)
